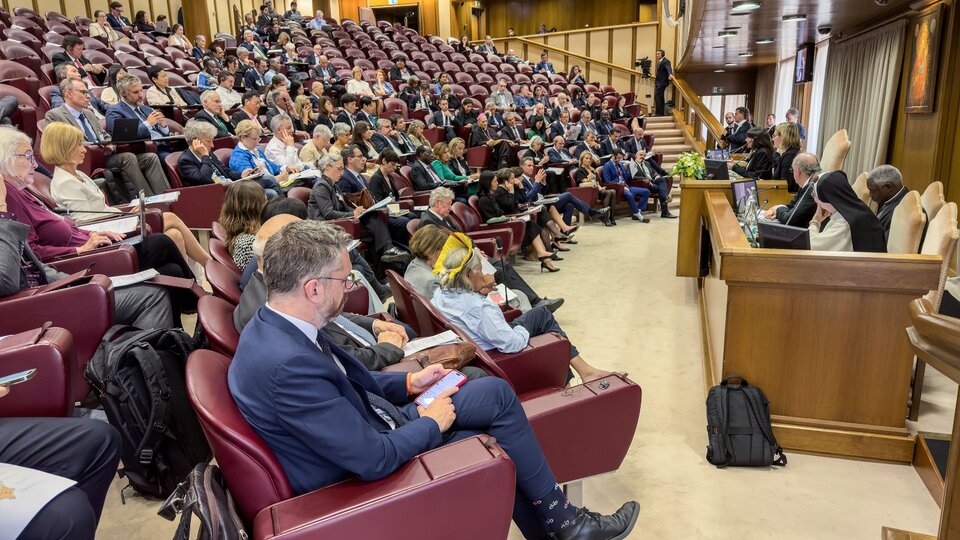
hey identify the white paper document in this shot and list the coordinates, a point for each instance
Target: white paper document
(421, 344)
(120, 226)
(377, 206)
(23, 493)
(170, 197)
(133, 279)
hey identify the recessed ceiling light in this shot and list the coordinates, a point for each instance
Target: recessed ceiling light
(745, 54)
(765, 41)
(794, 18)
(739, 7)
(726, 33)
(730, 64)
(739, 13)
(731, 28)
(719, 71)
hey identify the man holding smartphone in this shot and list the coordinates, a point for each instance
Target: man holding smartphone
(327, 418)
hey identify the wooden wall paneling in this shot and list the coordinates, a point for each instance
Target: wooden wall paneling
(576, 43)
(197, 15)
(646, 42)
(348, 8)
(99, 4)
(622, 52)
(43, 6)
(75, 9)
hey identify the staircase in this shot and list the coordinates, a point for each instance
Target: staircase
(669, 139)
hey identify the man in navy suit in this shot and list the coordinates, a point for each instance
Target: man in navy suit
(116, 19)
(352, 181)
(253, 78)
(131, 106)
(197, 164)
(664, 76)
(327, 418)
(544, 66)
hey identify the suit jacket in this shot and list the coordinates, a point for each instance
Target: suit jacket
(321, 73)
(582, 147)
(118, 22)
(783, 168)
(885, 212)
(382, 187)
(124, 110)
(13, 250)
(610, 170)
(429, 218)
(346, 118)
(314, 417)
(664, 70)
(195, 171)
(799, 211)
(607, 147)
(381, 143)
(198, 52)
(374, 357)
(326, 202)
(514, 134)
(759, 166)
(253, 80)
(350, 183)
(631, 146)
(738, 137)
(544, 67)
(61, 114)
(556, 156)
(225, 131)
(239, 116)
(363, 116)
(422, 179)
(62, 58)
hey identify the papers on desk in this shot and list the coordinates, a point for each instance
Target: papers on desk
(377, 206)
(548, 200)
(23, 493)
(133, 279)
(309, 173)
(555, 170)
(423, 344)
(420, 208)
(170, 197)
(532, 210)
(120, 226)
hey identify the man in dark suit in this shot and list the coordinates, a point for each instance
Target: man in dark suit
(199, 49)
(885, 184)
(323, 70)
(444, 119)
(400, 135)
(559, 127)
(737, 137)
(253, 78)
(663, 78)
(422, 175)
(544, 66)
(249, 109)
(386, 139)
(212, 113)
(349, 104)
(400, 71)
(367, 111)
(131, 106)
(197, 164)
(799, 211)
(327, 418)
(116, 19)
(558, 152)
(91, 73)
(612, 143)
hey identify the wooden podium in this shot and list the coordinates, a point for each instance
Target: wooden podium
(822, 333)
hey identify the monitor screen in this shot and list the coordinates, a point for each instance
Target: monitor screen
(775, 235)
(803, 67)
(716, 169)
(741, 190)
(719, 154)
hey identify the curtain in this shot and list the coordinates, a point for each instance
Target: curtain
(860, 94)
(763, 95)
(816, 99)
(783, 93)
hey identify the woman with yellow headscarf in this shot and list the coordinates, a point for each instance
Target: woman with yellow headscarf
(461, 277)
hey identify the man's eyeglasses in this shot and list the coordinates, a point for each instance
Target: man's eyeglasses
(349, 282)
(29, 156)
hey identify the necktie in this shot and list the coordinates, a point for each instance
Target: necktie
(389, 412)
(432, 173)
(87, 131)
(220, 123)
(89, 77)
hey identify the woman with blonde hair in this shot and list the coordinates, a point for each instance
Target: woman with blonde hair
(101, 28)
(458, 161)
(786, 141)
(441, 165)
(461, 298)
(62, 146)
(240, 217)
(587, 177)
(305, 113)
(415, 134)
(356, 85)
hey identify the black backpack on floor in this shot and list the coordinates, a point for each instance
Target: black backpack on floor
(139, 378)
(738, 426)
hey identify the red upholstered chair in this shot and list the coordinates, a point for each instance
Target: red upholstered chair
(215, 317)
(468, 219)
(223, 280)
(394, 106)
(13, 73)
(198, 206)
(22, 54)
(51, 351)
(220, 253)
(469, 484)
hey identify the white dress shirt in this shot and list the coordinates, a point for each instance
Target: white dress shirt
(281, 154)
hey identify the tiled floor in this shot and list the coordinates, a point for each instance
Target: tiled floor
(627, 311)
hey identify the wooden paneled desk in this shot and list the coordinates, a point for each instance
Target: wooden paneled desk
(822, 333)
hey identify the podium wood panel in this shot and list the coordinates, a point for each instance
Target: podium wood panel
(822, 333)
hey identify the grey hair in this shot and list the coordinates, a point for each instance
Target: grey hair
(198, 37)
(525, 160)
(247, 33)
(328, 160)
(807, 163)
(534, 140)
(341, 128)
(323, 132)
(416, 124)
(196, 129)
(383, 122)
(439, 194)
(61, 71)
(124, 84)
(300, 251)
(793, 111)
(277, 121)
(66, 84)
(461, 280)
(886, 175)
(207, 94)
(10, 139)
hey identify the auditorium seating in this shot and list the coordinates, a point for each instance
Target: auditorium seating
(835, 151)
(51, 351)
(906, 227)
(932, 199)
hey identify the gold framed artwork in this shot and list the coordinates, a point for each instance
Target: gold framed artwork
(922, 79)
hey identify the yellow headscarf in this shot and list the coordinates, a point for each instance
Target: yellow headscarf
(454, 241)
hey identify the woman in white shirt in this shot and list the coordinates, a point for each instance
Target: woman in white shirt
(62, 146)
(357, 86)
(842, 221)
(102, 28)
(178, 40)
(161, 93)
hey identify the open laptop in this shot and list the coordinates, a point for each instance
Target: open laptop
(126, 130)
(775, 235)
(163, 27)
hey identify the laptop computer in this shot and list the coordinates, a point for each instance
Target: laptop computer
(775, 235)
(163, 26)
(126, 130)
(741, 191)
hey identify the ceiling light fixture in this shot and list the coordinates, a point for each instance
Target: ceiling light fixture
(730, 64)
(719, 71)
(794, 18)
(765, 41)
(726, 33)
(745, 54)
(740, 7)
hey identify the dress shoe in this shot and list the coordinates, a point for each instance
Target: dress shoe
(667, 215)
(593, 526)
(553, 304)
(395, 255)
(640, 217)
(598, 213)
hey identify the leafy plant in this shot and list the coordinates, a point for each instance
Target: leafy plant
(690, 165)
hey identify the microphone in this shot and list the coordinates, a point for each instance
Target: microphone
(503, 269)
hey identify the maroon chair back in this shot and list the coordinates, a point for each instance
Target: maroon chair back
(224, 281)
(412, 226)
(215, 316)
(358, 301)
(173, 173)
(468, 217)
(218, 231)
(218, 250)
(401, 297)
(300, 193)
(252, 471)
(478, 156)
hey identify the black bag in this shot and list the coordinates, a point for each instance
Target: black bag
(139, 377)
(738, 426)
(205, 494)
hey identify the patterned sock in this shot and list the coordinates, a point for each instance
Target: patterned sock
(555, 510)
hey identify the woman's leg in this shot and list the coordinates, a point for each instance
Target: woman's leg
(558, 220)
(190, 247)
(177, 238)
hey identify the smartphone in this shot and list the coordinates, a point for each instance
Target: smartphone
(450, 380)
(23, 376)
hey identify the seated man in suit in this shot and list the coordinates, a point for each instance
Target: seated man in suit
(367, 112)
(561, 128)
(142, 170)
(385, 138)
(422, 175)
(444, 119)
(249, 110)
(400, 135)
(213, 114)
(326, 203)
(348, 115)
(353, 181)
(558, 152)
(801, 208)
(197, 164)
(438, 213)
(116, 18)
(885, 184)
(512, 132)
(327, 418)
(250, 44)
(615, 173)
(131, 106)
(323, 70)
(545, 66)
(254, 79)
(72, 54)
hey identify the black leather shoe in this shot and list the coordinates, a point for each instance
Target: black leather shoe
(553, 304)
(593, 526)
(395, 255)
(667, 215)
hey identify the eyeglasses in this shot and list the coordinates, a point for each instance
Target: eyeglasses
(83, 92)
(349, 282)
(29, 156)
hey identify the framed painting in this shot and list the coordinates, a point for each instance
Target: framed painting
(922, 79)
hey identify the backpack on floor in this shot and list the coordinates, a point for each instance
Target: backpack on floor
(139, 378)
(205, 494)
(738, 426)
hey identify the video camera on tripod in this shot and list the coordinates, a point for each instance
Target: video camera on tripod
(645, 65)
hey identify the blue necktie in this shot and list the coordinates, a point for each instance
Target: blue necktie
(87, 130)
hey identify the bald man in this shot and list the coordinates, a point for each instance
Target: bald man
(800, 209)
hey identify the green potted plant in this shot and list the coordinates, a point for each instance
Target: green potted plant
(690, 165)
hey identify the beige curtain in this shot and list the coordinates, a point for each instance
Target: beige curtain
(860, 93)
(763, 96)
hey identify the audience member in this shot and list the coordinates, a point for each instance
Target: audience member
(212, 113)
(637, 197)
(736, 135)
(248, 155)
(799, 211)
(249, 110)
(282, 148)
(786, 140)
(101, 28)
(229, 97)
(240, 218)
(842, 221)
(317, 146)
(760, 161)
(793, 117)
(586, 175)
(177, 39)
(494, 202)
(72, 53)
(131, 106)
(545, 66)
(885, 184)
(161, 93)
(197, 165)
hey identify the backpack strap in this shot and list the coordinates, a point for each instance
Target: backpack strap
(753, 399)
(156, 379)
(724, 428)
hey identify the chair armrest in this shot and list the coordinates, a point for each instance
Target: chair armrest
(199, 206)
(352, 226)
(26, 117)
(517, 230)
(487, 245)
(587, 194)
(505, 236)
(114, 260)
(461, 490)
(49, 393)
(510, 314)
(154, 220)
(544, 363)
